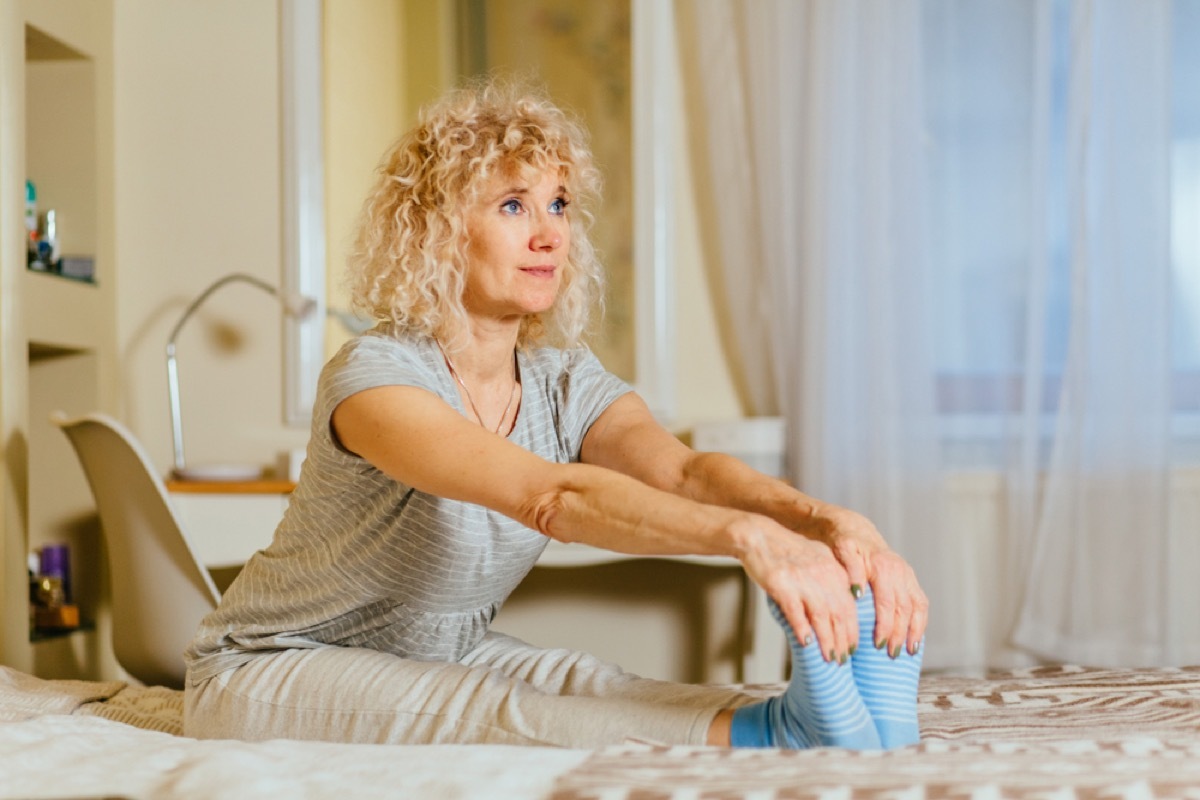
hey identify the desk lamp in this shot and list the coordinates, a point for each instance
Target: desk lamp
(294, 305)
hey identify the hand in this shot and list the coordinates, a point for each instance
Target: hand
(901, 608)
(810, 586)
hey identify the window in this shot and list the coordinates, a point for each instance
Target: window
(997, 93)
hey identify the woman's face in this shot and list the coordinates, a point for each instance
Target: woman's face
(519, 239)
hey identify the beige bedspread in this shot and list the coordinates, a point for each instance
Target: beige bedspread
(1059, 732)
(1056, 732)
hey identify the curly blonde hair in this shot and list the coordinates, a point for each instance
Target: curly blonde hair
(409, 257)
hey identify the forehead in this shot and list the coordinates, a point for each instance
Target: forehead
(520, 177)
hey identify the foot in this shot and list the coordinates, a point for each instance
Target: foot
(821, 707)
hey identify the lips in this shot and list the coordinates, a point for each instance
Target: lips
(539, 272)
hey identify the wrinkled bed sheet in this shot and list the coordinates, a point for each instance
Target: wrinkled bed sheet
(1059, 732)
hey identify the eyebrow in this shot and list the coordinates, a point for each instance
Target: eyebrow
(518, 190)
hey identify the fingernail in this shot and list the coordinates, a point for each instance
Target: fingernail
(853, 649)
(832, 656)
(882, 643)
(896, 652)
(856, 590)
(842, 658)
(807, 640)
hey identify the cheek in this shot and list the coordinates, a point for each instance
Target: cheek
(478, 253)
(483, 262)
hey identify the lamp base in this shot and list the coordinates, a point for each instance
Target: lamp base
(230, 473)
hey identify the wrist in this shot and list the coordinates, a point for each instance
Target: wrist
(815, 520)
(747, 534)
(830, 524)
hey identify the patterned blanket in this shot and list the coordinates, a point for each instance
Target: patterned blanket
(1056, 732)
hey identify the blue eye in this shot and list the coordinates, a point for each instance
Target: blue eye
(511, 207)
(559, 206)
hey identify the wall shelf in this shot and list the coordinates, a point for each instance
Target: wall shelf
(62, 277)
(36, 636)
(63, 312)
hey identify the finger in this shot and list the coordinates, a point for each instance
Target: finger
(844, 621)
(799, 622)
(855, 565)
(885, 616)
(841, 646)
(849, 623)
(826, 634)
(916, 627)
(899, 637)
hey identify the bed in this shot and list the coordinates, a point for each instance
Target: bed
(1050, 732)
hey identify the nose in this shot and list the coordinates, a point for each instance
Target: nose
(547, 235)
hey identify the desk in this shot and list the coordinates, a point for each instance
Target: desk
(764, 649)
(228, 522)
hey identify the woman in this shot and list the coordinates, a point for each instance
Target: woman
(449, 442)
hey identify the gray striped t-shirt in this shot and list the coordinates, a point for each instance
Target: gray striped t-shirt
(361, 560)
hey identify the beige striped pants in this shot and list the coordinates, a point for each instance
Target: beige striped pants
(503, 692)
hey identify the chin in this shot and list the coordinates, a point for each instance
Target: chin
(540, 305)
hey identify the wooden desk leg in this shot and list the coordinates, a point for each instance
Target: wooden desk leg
(765, 659)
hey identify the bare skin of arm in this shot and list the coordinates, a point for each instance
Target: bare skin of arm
(627, 439)
(413, 436)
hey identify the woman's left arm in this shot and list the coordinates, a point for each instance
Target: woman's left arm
(628, 439)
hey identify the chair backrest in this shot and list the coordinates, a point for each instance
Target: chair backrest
(160, 590)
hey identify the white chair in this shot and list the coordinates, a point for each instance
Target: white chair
(160, 590)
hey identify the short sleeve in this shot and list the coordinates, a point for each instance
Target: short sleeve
(370, 361)
(584, 390)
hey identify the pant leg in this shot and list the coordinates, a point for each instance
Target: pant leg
(358, 695)
(571, 672)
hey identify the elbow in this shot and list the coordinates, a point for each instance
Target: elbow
(568, 504)
(564, 503)
(544, 512)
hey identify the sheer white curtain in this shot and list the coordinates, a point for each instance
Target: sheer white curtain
(808, 122)
(940, 231)
(1098, 589)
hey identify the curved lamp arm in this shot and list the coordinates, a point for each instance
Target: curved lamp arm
(293, 304)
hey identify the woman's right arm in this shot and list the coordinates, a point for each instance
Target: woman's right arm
(416, 438)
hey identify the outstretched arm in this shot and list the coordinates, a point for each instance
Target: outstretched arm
(416, 438)
(627, 439)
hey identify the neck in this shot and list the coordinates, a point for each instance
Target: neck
(489, 384)
(485, 354)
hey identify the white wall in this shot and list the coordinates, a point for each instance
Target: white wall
(197, 124)
(364, 113)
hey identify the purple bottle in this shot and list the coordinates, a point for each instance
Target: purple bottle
(56, 563)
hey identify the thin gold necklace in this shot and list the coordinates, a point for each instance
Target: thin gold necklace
(475, 409)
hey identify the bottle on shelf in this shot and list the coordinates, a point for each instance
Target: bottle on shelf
(31, 227)
(51, 593)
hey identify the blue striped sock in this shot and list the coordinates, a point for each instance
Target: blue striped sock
(888, 686)
(821, 707)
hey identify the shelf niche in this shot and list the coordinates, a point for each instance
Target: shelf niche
(60, 138)
(61, 507)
